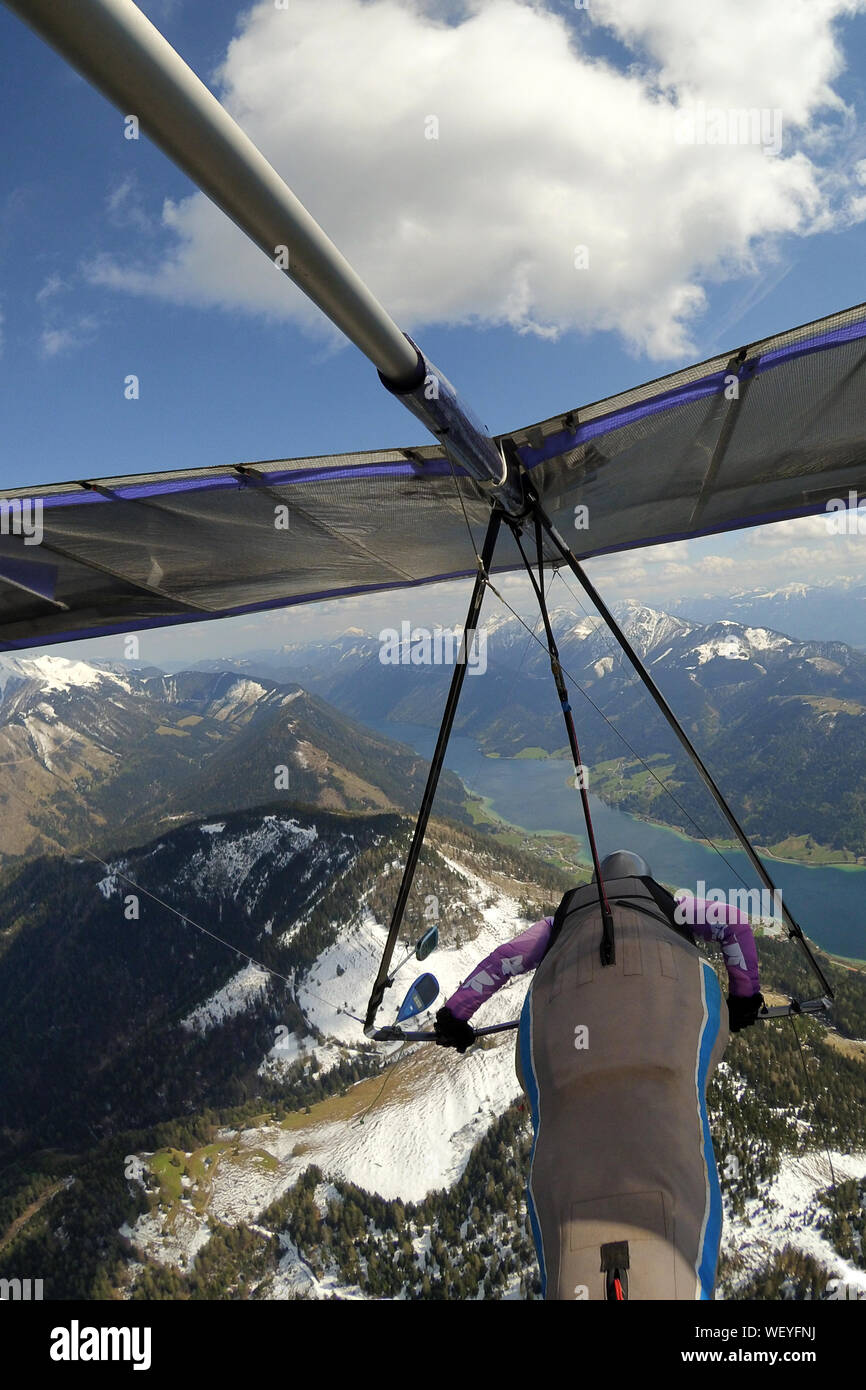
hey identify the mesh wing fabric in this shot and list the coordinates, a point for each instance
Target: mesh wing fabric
(766, 433)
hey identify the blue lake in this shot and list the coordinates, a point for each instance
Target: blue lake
(829, 903)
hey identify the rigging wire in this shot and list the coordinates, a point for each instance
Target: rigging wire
(184, 917)
(564, 672)
(382, 980)
(66, 853)
(391, 1065)
(576, 683)
(662, 784)
(795, 931)
(533, 631)
(607, 942)
(478, 559)
(653, 774)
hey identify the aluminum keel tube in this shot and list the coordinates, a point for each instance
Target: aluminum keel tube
(435, 402)
(118, 50)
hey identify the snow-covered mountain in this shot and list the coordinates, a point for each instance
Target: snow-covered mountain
(821, 611)
(107, 746)
(99, 748)
(232, 997)
(770, 712)
(352, 675)
(57, 673)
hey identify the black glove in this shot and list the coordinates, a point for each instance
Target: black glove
(453, 1032)
(743, 1012)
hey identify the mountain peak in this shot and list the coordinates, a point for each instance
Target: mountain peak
(647, 628)
(56, 673)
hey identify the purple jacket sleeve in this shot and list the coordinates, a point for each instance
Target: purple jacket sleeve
(513, 958)
(714, 921)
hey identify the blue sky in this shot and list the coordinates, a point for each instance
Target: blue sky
(457, 238)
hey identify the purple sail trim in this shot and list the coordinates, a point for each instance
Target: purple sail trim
(711, 385)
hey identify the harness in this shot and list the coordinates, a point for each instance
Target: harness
(640, 894)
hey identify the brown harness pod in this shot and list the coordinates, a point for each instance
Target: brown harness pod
(615, 1059)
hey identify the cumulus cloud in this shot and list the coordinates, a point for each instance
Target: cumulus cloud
(785, 535)
(477, 165)
(770, 53)
(804, 551)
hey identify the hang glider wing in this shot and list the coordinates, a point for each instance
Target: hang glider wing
(774, 431)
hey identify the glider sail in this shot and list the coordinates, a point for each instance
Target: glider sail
(674, 459)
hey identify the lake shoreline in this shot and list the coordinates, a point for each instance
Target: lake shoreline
(533, 799)
(718, 845)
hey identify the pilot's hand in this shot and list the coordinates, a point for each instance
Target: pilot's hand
(453, 1032)
(742, 1012)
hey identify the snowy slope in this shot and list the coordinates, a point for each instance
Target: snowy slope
(410, 1129)
(57, 673)
(785, 1215)
(239, 994)
(404, 1138)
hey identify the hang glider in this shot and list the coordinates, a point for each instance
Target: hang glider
(768, 431)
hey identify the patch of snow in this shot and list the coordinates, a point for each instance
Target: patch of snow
(729, 648)
(239, 994)
(776, 1218)
(112, 883)
(763, 640)
(586, 627)
(224, 868)
(415, 1139)
(241, 695)
(177, 1244)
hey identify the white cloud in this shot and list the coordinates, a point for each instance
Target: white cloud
(718, 564)
(63, 331)
(798, 551)
(541, 150)
(53, 285)
(125, 207)
(786, 534)
(767, 53)
(56, 340)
